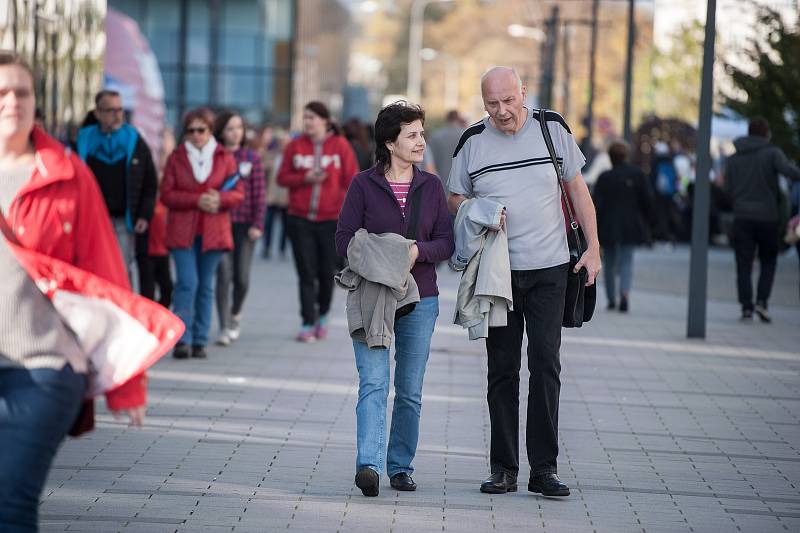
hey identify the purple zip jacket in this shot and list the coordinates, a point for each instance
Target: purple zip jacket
(371, 204)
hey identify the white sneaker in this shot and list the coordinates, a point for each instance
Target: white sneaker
(224, 338)
(235, 330)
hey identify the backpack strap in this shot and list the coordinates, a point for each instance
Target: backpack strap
(413, 220)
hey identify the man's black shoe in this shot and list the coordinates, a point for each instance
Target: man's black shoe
(368, 481)
(500, 483)
(181, 351)
(548, 485)
(747, 315)
(199, 352)
(623, 304)
(402, 481)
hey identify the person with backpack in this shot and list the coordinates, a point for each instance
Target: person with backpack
(665, 183)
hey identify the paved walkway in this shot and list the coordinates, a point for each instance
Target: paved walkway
(658, 434)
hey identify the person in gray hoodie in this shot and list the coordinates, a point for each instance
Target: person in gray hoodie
(751, 183)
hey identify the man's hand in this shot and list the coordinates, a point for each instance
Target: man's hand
(591, 260)
(413, 252)
(254, 233)
(135, 415)
(141, 226)
(502, 221)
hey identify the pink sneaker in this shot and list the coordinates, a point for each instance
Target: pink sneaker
(306, 335)
(320, 331)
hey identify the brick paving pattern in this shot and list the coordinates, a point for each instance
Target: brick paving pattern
(658, 433)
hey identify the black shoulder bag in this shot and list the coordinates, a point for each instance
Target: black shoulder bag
(411, 233)
(579, 300)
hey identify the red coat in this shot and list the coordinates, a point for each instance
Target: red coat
(180, 192)
(157, 232)
(317, 202)
(61, 213)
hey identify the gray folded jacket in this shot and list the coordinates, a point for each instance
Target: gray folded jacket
(379, 282)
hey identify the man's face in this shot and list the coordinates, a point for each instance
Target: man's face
(17, 101)
(503, 99)
(109, 113)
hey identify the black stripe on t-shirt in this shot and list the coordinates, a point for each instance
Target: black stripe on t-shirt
(522, 165)
(475, 129)
(535, 160)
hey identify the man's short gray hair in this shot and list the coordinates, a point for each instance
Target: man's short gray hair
(498, 69)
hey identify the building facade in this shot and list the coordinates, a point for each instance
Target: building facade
(234, 54)
(63, 40)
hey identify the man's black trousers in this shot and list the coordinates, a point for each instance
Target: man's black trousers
(749, 235)
(538, 310)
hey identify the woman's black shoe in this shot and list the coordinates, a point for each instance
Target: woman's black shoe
(623, 304)
(500, 483)
(402, 481)
(181, 351)
(368, 481)
(199, 352)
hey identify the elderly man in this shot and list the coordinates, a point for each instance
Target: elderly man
(121, 161)
(504, 157)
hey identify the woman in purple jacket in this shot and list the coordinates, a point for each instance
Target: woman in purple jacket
(380, 200)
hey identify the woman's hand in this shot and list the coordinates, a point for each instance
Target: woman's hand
(413, 252)
(254, 233)
(209, 201)
(315, 176)
(135, 415)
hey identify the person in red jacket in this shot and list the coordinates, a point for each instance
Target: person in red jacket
(200, 188)
(53, 206)
(317, 168)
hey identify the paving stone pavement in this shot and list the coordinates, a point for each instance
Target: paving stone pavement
(657, 433)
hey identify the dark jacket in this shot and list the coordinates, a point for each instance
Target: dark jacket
(751, 178)
(371, 204)
(624, 202)
(141, 180)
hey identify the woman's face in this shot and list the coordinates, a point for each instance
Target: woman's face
(198, 133)
(410, 143)
(313, 124)
(17, 101)
(233, 133)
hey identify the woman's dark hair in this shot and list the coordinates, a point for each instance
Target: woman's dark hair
(322, 111)
(223, 117)
(389, 123)
(618, 152)
(201, 113)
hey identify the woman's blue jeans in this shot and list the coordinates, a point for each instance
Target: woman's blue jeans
(618, 262)
(37, 409)
(193, 295)
(412, 334)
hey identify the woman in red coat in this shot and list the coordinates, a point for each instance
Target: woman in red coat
(317, 168)
(200, 187)
(53, 206)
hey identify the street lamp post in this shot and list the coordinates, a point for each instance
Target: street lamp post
(414, 80)
(626, 121)
(698, 269)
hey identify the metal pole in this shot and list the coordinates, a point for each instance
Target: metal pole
(565, 77)
(548, 60)
(626, 121)
(414, 81)
(698, 270)
(183, 35)
(587, 142)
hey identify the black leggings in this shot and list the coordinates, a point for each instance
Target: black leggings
(315, 260)
(154, 270)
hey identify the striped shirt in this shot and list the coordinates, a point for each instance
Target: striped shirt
(400, 191)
